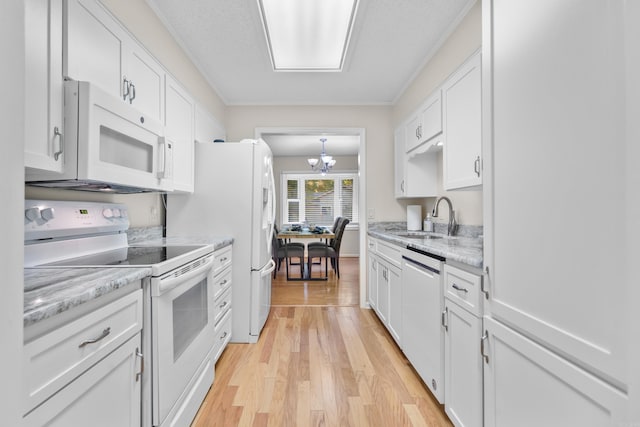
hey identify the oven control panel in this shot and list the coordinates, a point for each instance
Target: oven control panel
(52, 219)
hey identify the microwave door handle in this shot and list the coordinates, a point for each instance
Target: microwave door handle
(165, 158)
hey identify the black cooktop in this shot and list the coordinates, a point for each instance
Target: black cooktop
(129, 256)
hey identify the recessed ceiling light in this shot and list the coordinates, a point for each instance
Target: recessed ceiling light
(307, 35)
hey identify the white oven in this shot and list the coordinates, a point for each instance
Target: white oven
(182, 319)
(179, 311)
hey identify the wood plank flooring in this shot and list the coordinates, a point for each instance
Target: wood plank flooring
(320, 361)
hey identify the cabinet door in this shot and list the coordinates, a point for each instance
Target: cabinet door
(383, 292)
(463, 366)
(95, 46)
(373, 281)
(412, 132)
(179, 131)
(394, 322)
(399, 161)
(108, 394)
(431, 117)
(527, 385)
(146, 77)
(44, 131)
(572, 285)
(462, 119)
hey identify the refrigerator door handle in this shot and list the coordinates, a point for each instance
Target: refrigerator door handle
(268, 270)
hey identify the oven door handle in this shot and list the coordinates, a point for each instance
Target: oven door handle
(173, 279)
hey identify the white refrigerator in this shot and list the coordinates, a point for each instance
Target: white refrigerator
(234, 196)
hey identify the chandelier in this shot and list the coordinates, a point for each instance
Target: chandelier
(325, 163)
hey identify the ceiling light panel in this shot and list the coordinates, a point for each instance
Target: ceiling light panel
(307, 35)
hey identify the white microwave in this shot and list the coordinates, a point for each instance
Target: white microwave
(108, 146)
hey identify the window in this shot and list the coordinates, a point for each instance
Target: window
(319, 199)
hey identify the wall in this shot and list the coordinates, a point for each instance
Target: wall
(466, 39)
(12, 212)
(376, 120)
(350, 245)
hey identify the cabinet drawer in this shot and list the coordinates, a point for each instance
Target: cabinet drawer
(55, 359)
(221, 283)
(221, 305)
(222, 258)
(463, 288)
(390, 252)
(223, 335)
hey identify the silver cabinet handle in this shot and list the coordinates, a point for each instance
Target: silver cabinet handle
(483, 340)
(445, 316)
(132, 95)
(223, 259)
(126, 88)
(95, 340)
(141, 357)
(224, 282)
(476, 166)
(458, 288)
(56, 132)
(223, 336)
(402, 186)
(484, 283)
(224, 304)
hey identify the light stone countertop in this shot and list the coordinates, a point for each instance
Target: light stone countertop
(463, 249)
(51, 291)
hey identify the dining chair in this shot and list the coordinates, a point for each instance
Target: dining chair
(330, 250)
(281, 250)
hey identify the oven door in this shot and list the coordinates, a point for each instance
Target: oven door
(182, 324)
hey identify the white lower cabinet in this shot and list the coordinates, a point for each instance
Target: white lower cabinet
(527, 385)
(88, 371)
(463, 366)
(463, 335)
(385, 288)
(106, 395)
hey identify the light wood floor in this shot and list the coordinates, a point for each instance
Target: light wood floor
(320, 361)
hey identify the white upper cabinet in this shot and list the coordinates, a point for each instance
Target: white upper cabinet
(426, 123)
(99, 50)
(416, 173)
(179, 112)
(462, 126)
(44, 127)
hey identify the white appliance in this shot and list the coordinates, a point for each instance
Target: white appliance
(179, 317)
(234, 195)
(107, 145)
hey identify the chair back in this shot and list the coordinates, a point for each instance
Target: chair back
(335, 243)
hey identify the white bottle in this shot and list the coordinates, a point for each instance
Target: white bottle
(428, 224)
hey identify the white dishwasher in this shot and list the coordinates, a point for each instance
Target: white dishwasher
(422, 307)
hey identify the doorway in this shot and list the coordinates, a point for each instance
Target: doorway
(308, 145)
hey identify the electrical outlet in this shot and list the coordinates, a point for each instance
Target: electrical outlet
(153, 214)
(371, 213)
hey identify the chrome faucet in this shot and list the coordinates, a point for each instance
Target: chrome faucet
(452, 226)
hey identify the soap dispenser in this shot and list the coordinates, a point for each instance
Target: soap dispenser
(428, 223)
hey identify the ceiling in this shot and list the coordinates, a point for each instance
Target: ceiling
(390, 42)
(297, 144)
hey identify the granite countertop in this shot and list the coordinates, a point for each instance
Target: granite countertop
(51, 291)
(466, 249)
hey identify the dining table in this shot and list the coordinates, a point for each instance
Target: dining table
(304, 233)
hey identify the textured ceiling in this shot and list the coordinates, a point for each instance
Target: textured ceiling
(390, 42)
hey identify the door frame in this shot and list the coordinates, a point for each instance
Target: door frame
(362, 188)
